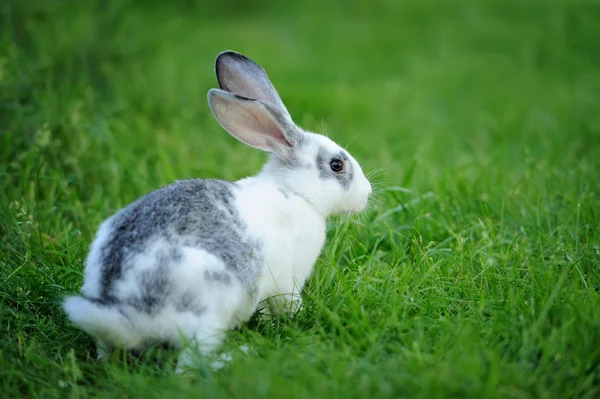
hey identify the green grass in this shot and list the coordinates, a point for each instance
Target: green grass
(476, 272)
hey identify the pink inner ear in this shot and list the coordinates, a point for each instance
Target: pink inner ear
(266, 123)
(250, 121)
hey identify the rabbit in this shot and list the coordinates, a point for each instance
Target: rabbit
(191, 260)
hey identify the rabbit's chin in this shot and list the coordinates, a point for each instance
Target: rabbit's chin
(352, 210)
(358, 209)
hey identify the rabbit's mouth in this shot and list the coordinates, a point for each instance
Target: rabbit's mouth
(359, 206)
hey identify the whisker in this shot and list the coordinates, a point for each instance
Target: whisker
(349, 141)
(323, 128)
(376, 174)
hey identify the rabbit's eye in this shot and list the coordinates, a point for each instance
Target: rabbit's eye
(336, 165)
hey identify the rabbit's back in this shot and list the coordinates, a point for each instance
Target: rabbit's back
(161, 250)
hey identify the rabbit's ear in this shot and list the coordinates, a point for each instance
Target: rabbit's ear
(256, 123)
(239, 75)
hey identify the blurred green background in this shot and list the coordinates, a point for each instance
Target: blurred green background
(474, 274)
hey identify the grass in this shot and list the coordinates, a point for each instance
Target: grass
(476, 272)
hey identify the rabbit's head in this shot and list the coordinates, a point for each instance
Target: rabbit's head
(307, 164)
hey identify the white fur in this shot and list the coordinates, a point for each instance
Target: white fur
(293, 232)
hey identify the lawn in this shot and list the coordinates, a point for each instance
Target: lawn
(475, 273)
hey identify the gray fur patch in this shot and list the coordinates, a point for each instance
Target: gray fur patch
(219, 277)
(289, 161)
(192, 213)
(323, 160)
(291, 133)
(155, 287)
(188, 302)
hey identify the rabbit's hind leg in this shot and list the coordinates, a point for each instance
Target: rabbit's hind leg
(201, 338)
(104, 350)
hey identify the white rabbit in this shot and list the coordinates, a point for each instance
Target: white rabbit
(190, 260)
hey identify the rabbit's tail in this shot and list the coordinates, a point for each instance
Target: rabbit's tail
(106, 322)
